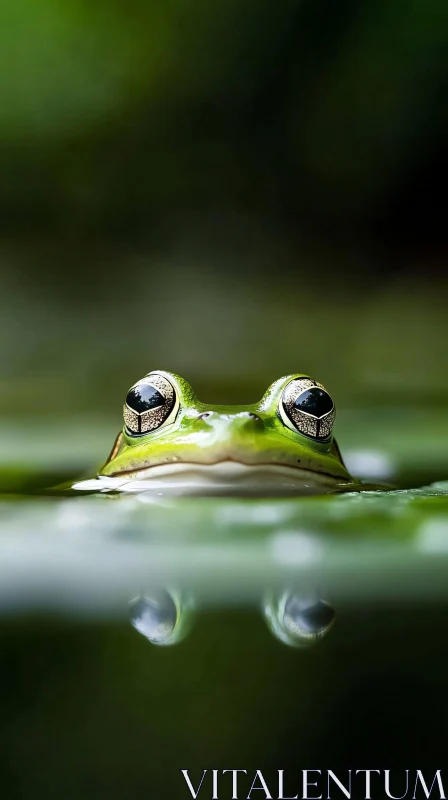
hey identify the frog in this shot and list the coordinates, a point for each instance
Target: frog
(173, 443)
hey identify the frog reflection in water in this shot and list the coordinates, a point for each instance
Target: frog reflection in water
(281, 446)
(172, 443)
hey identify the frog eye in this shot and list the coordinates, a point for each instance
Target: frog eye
(306, 406)
(149, 404)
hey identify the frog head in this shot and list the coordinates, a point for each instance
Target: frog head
(282, 445)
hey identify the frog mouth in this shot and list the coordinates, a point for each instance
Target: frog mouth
(231, 478)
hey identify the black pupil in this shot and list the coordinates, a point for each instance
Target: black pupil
(314, 401)
(142, 398)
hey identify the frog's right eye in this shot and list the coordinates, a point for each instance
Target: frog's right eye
(149, 404)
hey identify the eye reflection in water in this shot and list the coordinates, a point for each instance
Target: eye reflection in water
(162, 616)
(298, 620)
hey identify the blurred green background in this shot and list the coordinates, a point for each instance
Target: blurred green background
(232, 191)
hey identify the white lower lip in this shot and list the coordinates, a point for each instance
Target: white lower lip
(225, 478)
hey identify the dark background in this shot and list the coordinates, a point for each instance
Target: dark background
(233, 191)
(96, 712)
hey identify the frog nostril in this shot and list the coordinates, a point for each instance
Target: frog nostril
(205, 415)
(254, 416)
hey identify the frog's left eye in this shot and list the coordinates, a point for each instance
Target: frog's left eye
(149, 404)
(305, 406)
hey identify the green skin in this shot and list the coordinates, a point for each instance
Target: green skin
(276, 459)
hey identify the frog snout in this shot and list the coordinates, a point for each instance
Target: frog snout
(246, 420)
(243, 418)
(205, 415)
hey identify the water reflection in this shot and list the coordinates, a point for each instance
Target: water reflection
(161, 616)
(93, 554)
(164, 618)
(298, 620)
